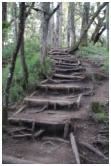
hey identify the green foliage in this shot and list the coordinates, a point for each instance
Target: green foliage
(102, 116)
(7, 51)
(97, 108)
(36, 73)
(5, 25)
(105, 66)
(95, 53)
(35, 70)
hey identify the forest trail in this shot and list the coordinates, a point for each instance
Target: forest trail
(59, 106)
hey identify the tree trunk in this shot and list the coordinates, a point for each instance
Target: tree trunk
(44, 32)
(85, 21)
(24, 66)
(73, 36)
(98, 34)
(100, 27)
(44, 29)
(59, 26)
(107, 26)
(87, 27)
(50, 37)
(4, 19)
(68, 26)
(13, 61)
(15, 20)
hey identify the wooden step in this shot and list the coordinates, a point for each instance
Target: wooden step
(64, 62)
(74, 69)
(48, 117)
(65, 59)
(68, 77)
(63, 87)
(51, 100)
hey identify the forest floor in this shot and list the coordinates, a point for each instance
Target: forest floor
(40, 131)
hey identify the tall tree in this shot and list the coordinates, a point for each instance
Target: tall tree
(24, 65)
(71, 25)
(50, 37)
(85, 21)
(59, 26)
(15, 19)
(46, 14)
(100, 26)
(4, 20)
(13, 61)
(73, 36)
(107, 26)
(68, 25)
(87, 27)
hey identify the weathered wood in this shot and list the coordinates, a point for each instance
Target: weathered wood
(74, 69)
(95, 150)
(65, 64)
(33, 94)
(13, 120)
(33, 126)
(62, 86)
(6, 159)
(20, 110)
(22, 135)
(78, 101)
(38, 133)
(16, 130)
(66, 129)
(49, 79)
(74, 148)
(55, 139)
(68, 76)
(41, 110)
(50, 101)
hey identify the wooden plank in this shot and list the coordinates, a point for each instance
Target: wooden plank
(74, 148)
(60, 101)
(68, 76)
(38, 133)
(20, 110)
(22, 135)
(95, 150)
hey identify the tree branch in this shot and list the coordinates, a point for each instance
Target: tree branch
(87, 27)
(54, 10)
(40, 10)
(30, 7)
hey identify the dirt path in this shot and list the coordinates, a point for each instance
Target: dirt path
(38, 131)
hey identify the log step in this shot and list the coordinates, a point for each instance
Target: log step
(49, 117)
(65, 64)
(59, 101)
(66, 60)
(63, 87)
(68, 77)
(78, 69)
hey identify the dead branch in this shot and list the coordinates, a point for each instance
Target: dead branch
(95, 150)
(74, 148)
(38, 133)
(55, 139)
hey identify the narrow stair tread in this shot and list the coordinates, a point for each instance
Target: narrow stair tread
(51, 100)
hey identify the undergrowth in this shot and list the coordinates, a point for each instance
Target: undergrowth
(95, 53)
(35, 70)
